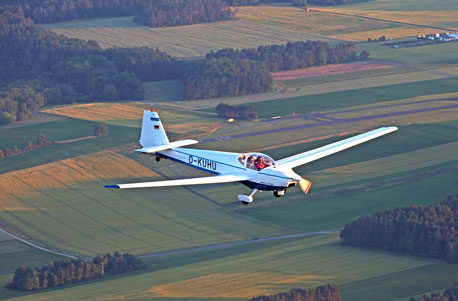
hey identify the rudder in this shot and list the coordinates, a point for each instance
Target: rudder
(153, 133)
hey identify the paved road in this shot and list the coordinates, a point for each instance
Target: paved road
(184, 251)
(336, 121)
(240, 243)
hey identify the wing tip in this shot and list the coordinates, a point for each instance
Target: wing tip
(112, 186)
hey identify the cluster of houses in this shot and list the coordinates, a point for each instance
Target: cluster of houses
(442, 37)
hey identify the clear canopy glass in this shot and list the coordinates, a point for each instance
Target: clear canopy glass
(255, 161)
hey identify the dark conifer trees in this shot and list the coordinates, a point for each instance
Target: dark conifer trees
(67, 270)
(430, 231)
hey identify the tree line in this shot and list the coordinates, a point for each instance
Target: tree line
(66, 271)
(41, 141)
(153, 13)
(450, 294)
(218, 77)
(293, 55)
(430, 231)
(159, 13)
(327, 292)
(237, 112)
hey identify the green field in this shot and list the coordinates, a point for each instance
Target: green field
(56, 130)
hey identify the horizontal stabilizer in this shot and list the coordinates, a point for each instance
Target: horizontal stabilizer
(180, 143)
(183, 182)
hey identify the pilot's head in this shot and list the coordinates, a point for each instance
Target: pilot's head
(261, 159)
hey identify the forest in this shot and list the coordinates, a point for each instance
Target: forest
(327, 292)
(450, 294)
(66, 271)
(41, 68)
(219, 77)
(154, 13)
(236, 112)
(430, 231)
(161, 13)
(293, 55)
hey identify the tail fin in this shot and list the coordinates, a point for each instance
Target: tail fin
(153, 133)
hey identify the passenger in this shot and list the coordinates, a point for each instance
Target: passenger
(260, 164)
(251, 162)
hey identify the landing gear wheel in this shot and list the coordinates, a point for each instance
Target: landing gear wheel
(279, 193)
(158, 158)
(247, 199)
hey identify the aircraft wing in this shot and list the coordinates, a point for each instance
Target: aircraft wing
(318, 153)
(183, 182)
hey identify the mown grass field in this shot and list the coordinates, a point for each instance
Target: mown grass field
(195, 40)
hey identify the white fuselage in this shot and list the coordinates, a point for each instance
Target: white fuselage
(269, 178)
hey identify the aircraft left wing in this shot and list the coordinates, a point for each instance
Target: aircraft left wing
(183, 182)
(318, 153)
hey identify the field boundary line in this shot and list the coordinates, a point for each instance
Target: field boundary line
(36, 246)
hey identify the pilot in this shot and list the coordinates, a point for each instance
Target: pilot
(251, 162)
(242, 159)
(260, 164)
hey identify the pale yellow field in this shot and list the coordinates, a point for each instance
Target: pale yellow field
(422, 17)
(102, 165)
(230, 285)
(130, 114)
(100, 111)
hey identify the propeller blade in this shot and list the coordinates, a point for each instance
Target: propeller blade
(305, 185)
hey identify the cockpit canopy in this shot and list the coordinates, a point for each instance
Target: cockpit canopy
(255, 161)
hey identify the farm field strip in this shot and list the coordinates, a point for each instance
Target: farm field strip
(296, 20)
(431, 20)
(315, 89)
(99, 111)
(332, 69)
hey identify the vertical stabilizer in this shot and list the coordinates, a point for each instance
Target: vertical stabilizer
(153, 133)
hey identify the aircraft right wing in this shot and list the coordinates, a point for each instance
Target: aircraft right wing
(183, 182)
(318, 153)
